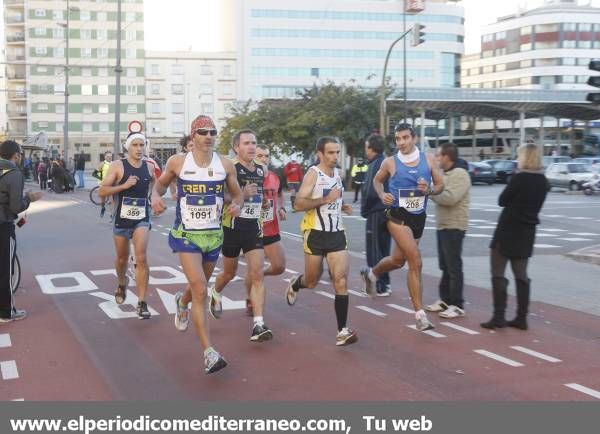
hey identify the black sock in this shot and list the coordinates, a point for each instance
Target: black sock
(297, 284)
(341, 310)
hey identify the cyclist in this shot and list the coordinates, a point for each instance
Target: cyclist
(12, 202)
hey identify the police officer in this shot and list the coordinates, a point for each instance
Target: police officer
(12, 202)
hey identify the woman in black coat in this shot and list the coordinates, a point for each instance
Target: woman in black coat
(514, 236)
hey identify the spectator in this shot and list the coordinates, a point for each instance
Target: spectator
(377, 237)
(359, 170)
(57, 173)
(293, 177)
(42, 173)
(514, 236)
(452, 220)
(12, 202)
(79, 170)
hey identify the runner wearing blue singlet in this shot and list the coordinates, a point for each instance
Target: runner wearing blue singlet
(410, 174)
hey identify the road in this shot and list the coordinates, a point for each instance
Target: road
(77, 344)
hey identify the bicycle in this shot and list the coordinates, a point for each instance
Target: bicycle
(15, 269)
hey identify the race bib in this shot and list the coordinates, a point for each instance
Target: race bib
(133, 208)
(267, 214)
(333, 207)
(411, 200)
(252, 207)
(200, 212)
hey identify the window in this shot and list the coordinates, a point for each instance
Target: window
(102, 53)
(130, 17)
(131, 35)
(131, 72)
(59, 52)
(103, 108)
(525, 81)
(545, 28)
(42, 107)
(57, 15)
(58, 127)
(86, 72)
(227, 89)
(177, 69)
(205, 70)
(85, 15)
(526, 47)
(584, 44)
(43, 124)
(132, 108)
(474, 71)
(102, 17)
(500, 35)
(547, 79)
(58, 33)
(59, 108)
(130, 53)
(155, 69)
(487, 38)
(177, 89)
(104, 127)
(583, 61)
(59, 88)
(86, 89)
(569, 61)
(570, 27)
(41, 51)
(102, 34)
(131, 89)
(177, 127)
(499, 51)
(102, 72)
(155, 89)
(87, 109)
(85, 34)
(206, 89)
(40, 31)
(206, 107)
(42, 69)
(488, 53)
(40, 12)
(103, 89)
(568, 79)
(565, 44)
(226, 70)
(155, 108)
(547, 62)
(526, 30)
(86, 53)
(87, 127)
(177, 107)
(585, 27)
(487, 69)
(501, 67)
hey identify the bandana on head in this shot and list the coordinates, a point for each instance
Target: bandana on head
(202, 122)
(132, 137)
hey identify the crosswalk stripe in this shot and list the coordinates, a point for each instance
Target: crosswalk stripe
(5, 340)
(536, 354)
(499, 358)
(460, 328)
(584, 389)
(400, 308)
(9, 370)
(428, 332)
(373, 311)
(325, 294)
(357, 293)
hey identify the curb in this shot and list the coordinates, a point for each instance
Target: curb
(591, 255)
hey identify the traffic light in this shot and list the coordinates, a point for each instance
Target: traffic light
(418, 35)
(594, 97)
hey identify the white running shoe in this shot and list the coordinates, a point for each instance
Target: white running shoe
(438, 306)
(452, 312)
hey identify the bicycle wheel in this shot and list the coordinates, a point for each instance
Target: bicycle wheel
(94, 196)
(15, 280)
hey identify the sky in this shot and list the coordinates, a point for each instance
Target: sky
(165, 20)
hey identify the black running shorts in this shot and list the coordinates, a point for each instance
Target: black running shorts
(320, 243)
(234, 241)
(416, 222)
(268, 240)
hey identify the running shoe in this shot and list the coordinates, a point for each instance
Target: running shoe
(261, 333)
(452, 312)
(438, 306)
(423, 324)
(182, 319)
(215, 307)
(121, 292)
(290, 294)
(102, 211)
(213, 362)
(368, 284)
(16, 315)
(142, 310)
(346, 336)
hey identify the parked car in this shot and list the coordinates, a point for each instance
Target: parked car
(593, 161)
(482, 172)
(569, 175)
(549, 159)
(504, 169)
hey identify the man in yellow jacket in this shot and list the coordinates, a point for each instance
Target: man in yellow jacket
(358, 174)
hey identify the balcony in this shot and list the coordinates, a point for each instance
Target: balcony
(15, 38)
(14, 2)
(15, 19)
(16, 95)
(15, 57)
(15, 76)
(17, 114)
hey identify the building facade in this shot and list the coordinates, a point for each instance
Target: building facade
(544, 48)
(36, 36)
(284, 47)
(182, 85)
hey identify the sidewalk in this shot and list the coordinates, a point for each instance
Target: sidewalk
(589, 254)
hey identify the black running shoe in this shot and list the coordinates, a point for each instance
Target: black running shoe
(261, 333)
(142, 310)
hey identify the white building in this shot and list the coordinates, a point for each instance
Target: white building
(544, 48)
(283, 47)
(182, 85)
(35, 35)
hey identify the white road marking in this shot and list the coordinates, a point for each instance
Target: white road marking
(553, 230)
(290, 234)
(428, 332)
(166, 234)
(9, 370)
(160, 226)
(479, 236)
(580, 218)
(537, 354)
(584, 389)
(400, 308)
(357, 293)
(499, 358)
(325, 294)
(484, 227)
(373, 311)
(545, 235)
(584, 234)
(553, 215)
(545, 246)
(431, 228)
(291, 271)
(18, 399)
(242, 262)
(575, 239)
(322, 282)
(479, 221)
(459, 328)
(5, 340)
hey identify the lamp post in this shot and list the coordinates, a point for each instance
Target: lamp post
(66, 122)
(118, 71)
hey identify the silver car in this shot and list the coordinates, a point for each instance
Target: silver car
(568, 175)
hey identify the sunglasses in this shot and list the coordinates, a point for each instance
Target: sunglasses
(205, 132)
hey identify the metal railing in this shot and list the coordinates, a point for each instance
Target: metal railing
(15, 38)
(17, 113)
(15, 76)
(15, 19)
(15, 57)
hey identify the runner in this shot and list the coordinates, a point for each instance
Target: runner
(293, 177)
(320, 196)
(131, 179)
(103, 169)
(410, 173)
(270, 218)
(244, 233)
(197, 234)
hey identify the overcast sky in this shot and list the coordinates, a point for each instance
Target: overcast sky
(185, 24)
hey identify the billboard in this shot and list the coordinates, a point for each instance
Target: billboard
(415, 6)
